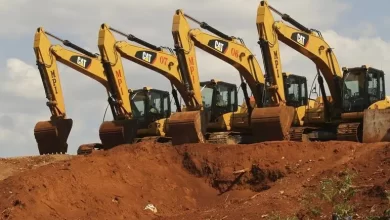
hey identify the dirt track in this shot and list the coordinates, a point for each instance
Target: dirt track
(194, 182)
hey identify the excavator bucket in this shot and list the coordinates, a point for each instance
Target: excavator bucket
(114, 133)
(52, 136)
(186, 127)
(376, 125)
(272, 123)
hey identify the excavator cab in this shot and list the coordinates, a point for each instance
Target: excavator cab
(218, 98)
(365, 106)
(149, 105)
(362, 87)
(295, 88)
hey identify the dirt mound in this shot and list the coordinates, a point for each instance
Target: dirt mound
(198, 182)
(11, 166)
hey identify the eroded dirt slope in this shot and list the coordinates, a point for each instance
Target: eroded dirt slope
(195, 181)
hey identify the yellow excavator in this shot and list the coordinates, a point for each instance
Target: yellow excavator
(52, 135)
(271, 109)
(357, 109)
(165, 63)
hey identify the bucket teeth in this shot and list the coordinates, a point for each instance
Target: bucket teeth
(52, 136)
(186, 127)
(272, 123)
(114, 133)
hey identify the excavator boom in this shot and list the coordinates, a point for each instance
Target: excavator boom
(311, 44)
(193, 120)
(52, 135)
(154, 58)
(273, 113)
(123, 129)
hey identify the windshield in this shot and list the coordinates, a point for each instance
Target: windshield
(295, 89)
(207, 97)
(354, 98)
(219, 99)
(138, 103)
(159, 103)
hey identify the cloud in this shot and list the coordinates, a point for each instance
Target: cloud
(22, 79)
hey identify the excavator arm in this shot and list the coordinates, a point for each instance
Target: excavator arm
(52, 135)
(309, 43)
(123, 129)
(232, 50)
(151, 57)
(194, 118)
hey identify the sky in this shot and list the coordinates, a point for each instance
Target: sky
(358, 32)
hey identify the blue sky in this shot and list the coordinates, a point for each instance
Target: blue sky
(359, 31)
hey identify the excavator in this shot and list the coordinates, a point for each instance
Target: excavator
(357, 108)
(52, 135)
(272, 108)
(165, 63)
(218, 99)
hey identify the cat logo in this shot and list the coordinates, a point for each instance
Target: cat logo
(218, 45)
(146, 56)
(300, 38)
(84, 62)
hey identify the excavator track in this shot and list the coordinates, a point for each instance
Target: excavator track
(154, 139)
(296, 133)
(86, 149)
(228, 138)
(350, 132)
